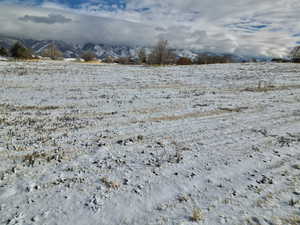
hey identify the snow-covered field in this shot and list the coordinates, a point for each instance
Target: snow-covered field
(84, 144)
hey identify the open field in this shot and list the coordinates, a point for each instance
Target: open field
(85, 144)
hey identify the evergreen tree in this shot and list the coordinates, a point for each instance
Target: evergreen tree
(3, 51)
(19, 51)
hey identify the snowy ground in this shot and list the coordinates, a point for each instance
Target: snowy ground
(84, 144)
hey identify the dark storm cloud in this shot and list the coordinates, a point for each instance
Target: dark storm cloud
(50, 19)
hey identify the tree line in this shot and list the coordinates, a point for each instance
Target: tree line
(160, 54)
(295, 54)
(19, 51)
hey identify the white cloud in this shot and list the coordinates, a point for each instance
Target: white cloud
(256, 27)
(50, 19)
(79, 28)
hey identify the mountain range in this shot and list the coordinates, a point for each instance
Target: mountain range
(102, 51)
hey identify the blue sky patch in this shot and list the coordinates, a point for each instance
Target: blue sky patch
(75, 4)
(258, 27)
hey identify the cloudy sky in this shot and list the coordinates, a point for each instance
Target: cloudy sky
(245, 27)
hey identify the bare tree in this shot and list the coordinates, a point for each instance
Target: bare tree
(295, 54)
(161, 54)
(142, 55)
(52, 52)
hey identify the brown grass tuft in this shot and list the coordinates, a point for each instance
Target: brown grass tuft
(197, 215)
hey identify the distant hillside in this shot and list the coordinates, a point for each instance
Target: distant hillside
(102, 51)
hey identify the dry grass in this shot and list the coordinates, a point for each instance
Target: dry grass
(34, 157)
(265, 200)
(271, 88)
(187, 116)
(64, 182)
(148, 110)
(27, 107)
(293, 220)
(197, 114)
(38, 108)
(38, 158)
(238, 109)
(90, 62)
(197, 215)
(110, 184)
(26, 60)
(165, 86)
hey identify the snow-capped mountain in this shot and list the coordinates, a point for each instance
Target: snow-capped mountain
(73, 50)
(102, 51)
(114, 51)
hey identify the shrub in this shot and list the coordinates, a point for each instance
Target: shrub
(212, 59)
(89, 56)
(142, 56)
(161, 54)
(52, 52)
(109, 59)
(122, 60)
(184, 61)
(126, 61)
(280, 60)
(197, 215)
(3, 51)
(21, 52)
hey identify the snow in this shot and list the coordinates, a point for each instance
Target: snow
(72, 59)
(113, 144)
